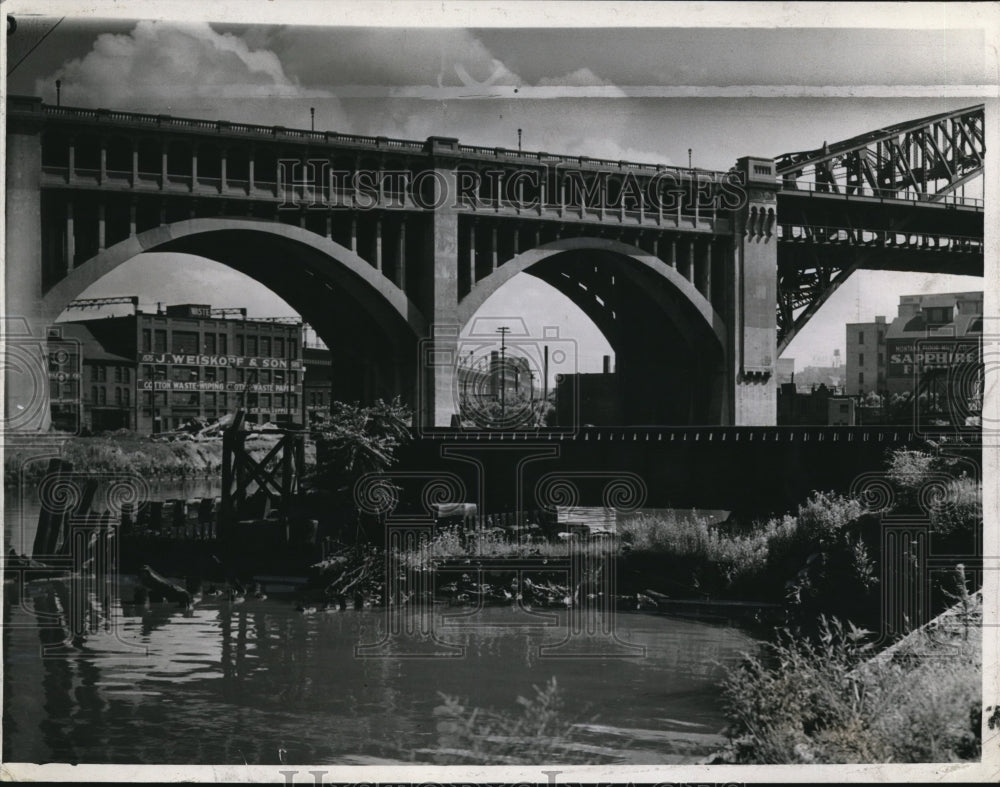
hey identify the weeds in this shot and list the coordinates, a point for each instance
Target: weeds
(536, 733)
(826, 700)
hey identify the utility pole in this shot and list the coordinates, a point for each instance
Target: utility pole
(312, 118)
(503, 330)
(519, 140)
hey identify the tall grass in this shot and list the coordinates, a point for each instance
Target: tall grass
(538, 732)
(826, 700)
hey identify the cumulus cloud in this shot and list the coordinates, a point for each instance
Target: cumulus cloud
(582, 77)
(391, 57)
(161, 64)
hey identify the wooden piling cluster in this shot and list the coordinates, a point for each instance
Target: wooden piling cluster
(70, 534)
(191, 519)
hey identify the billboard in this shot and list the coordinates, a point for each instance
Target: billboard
(908, 357)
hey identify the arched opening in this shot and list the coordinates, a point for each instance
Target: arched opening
(665, 339)
(369, 329)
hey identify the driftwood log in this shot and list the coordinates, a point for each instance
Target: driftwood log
(159, 587)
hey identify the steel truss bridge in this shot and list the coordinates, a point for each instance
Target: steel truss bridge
(907, 197)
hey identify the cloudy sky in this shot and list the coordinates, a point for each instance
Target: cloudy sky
(644, 93)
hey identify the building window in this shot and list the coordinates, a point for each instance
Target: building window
(223, 343)
(861, 337)
(102, 395)
(147, 340)
(185, 342)
(126, 374)
(118, 374)
(279, 377)
(210, 399)
(279, 347)
(861, 378)
(93, 394)
(147, 399)
(118, 396)
(210, 374)
(184, 398)
(265, 401)
(252, 346)
(293, 401)
(861, 359)
(265, 346)
(210, 343)
(239, 344)
(185, 374)
(292, 344)
(159, 341)
(265, 376)
(161, 372)
(279, 400)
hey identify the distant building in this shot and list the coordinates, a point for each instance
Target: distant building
(317, 387)
(490, 380)
(934, 352)
(865, 357)
(152, 372)
(589, 398)
(929, 357)
(786, 370)
(807, 408)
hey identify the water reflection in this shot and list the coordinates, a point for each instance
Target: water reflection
(90, 676)
(228, 683)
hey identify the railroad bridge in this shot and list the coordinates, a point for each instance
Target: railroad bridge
(388, 247)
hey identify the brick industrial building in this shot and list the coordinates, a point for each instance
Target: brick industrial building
(152, 372)
(930, 335)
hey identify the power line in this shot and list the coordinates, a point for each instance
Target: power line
(35, 46)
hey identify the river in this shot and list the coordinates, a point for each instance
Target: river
(261, 683)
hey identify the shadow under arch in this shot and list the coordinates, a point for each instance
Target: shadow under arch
(337, 292)
(669, 341)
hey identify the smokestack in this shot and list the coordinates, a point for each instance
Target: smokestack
(607, 364)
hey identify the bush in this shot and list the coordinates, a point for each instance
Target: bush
(960, 508)
(825, 701)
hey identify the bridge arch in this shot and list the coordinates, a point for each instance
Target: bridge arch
(685, 292)
(669, 341)
(337, 292)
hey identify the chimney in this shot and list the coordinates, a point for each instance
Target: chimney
(606, 364)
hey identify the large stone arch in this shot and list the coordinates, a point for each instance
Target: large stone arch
(354, 308)
(695, 305)
(669, 341)
(339, 264)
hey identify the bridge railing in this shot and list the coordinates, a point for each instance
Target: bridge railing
(853, 191)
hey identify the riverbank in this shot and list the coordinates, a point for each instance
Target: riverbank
(829, 700)
(128, 453)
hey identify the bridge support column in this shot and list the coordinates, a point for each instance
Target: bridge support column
(26, 383)
(751, 292)
(440, 354)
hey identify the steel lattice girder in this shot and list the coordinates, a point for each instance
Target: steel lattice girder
(927, 159)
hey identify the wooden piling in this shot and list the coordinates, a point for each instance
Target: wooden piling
(47, 520)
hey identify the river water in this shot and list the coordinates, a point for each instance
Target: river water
(261, 683)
